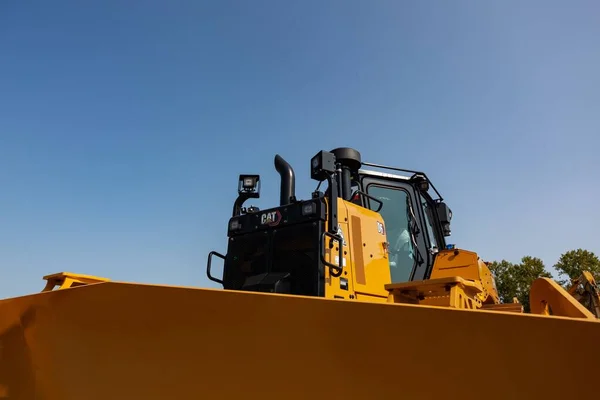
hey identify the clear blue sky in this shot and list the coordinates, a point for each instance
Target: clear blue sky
(124, 125)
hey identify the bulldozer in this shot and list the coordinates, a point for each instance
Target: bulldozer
(350, 293)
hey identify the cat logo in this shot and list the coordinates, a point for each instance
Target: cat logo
(271, 218)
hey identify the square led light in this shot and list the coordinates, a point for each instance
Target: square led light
(248, 185)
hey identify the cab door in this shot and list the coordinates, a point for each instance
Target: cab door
(409, 258)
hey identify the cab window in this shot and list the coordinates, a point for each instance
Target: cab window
(395, 213)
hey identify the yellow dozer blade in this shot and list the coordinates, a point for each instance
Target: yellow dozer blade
(113, 340)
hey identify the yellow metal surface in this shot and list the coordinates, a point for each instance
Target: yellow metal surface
(126, 341)
(453, 292)
(341, 255)
(547, 297)
(365, 257)
(507, 307)
(370, 251)
(65, 280)
(468, 265)
(459, 279)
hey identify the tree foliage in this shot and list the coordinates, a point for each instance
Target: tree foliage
(514, 280)
(572, 263)
(505, 283)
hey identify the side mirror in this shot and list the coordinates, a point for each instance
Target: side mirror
(445, 216)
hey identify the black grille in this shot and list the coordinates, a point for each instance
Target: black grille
(292, 249)
(247, 256)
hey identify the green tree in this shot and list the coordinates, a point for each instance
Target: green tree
(506, 285)
(572, 263)
(514, 280)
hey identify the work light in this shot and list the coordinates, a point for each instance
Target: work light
(322, 164)
(249, 185)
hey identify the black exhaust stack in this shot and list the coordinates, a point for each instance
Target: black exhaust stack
(288, 181)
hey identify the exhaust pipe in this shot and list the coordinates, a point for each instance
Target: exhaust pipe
(288, 180)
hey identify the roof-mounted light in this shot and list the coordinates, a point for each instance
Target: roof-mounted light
(321, 165)
(249, 186)
(420, 181)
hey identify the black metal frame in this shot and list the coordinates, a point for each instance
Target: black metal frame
(440, 198)
(335, 180)
(333, 267)
(361, 193)
(209, 264)
(245, 195)
(438, 231)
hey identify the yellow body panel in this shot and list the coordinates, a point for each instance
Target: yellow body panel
(65, 280)
(445, 292)
(467, 265)
(127, 341)
(366, 264)
(370, 249)
(548, 297)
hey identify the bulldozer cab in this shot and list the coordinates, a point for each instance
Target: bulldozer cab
(416, 224)
(367, 229)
